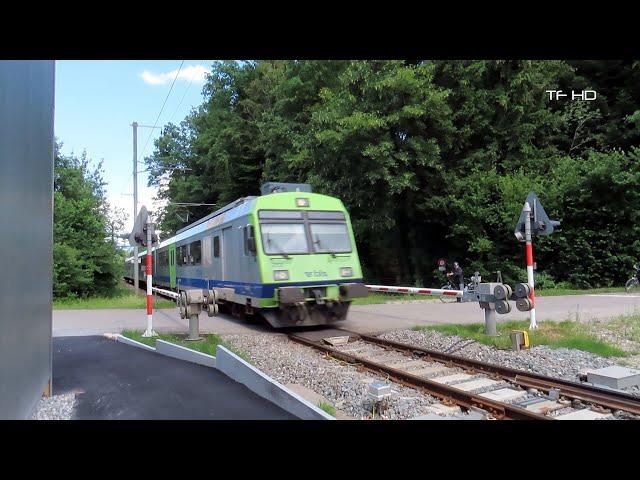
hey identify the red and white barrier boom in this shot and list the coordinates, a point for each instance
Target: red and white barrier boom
(438, 292)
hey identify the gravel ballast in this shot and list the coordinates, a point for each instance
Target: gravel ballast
(57, 407)
(565, 363)
(347, 388)
(342, 384)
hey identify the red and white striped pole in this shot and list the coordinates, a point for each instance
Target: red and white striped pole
(149, 332)
(529, 256)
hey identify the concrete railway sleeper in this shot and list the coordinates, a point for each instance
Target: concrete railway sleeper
(445, 392)
(475, 385)
(587, 393)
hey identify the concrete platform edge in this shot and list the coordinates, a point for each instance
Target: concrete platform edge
(182, 353)
(122, 339)
(266, 387)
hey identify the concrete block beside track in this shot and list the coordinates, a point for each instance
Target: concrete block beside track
(134, 343)
(266, 387)
(614, 377)
(183, 353)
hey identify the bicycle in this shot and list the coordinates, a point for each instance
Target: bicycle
(632, 284)
(469, 286)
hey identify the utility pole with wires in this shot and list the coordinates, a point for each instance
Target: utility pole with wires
(135, 126)
(135, 171)
(136, 269)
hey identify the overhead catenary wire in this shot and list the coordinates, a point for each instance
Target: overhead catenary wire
(155, 125)
(182, 99)
(162, 109)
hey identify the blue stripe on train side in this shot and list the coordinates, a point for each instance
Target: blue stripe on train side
(258, 290)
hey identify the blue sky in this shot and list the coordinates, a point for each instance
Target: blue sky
(96, 102)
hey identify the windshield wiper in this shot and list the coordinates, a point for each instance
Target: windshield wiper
(280, 251)
(317, 242)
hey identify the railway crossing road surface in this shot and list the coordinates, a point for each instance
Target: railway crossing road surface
(113, 381)
(361, 318)
(167, 320)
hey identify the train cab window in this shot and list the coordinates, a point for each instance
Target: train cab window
(330, 238)
(195, 253)
(284, 238)
(216, 246)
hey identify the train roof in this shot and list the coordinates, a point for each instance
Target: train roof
(242, 207)
(226, 208)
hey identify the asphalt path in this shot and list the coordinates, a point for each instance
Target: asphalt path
(113, 381)
(361, 318)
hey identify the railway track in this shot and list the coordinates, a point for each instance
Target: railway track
(504, 393)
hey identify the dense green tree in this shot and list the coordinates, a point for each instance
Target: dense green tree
(85, 260)
(432, 158)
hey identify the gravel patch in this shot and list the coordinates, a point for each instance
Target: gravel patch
(562, 363)
(341, 383)
(57, 407)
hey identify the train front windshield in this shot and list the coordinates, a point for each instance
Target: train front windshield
(304, 233)
(285, 238)
(330, 237)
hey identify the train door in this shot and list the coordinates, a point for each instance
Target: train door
(248, 266)
(216, 261)
(227, 253)
(172, 265)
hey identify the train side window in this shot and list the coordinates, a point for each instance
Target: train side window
(216, 246)
(182, 255)
(195, 252)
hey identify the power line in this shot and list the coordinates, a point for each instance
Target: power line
(182, 99)
(162, 109)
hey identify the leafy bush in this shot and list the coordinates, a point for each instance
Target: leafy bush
(544, 280)
(85, 262)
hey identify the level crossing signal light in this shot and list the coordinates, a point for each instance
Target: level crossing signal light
(541, 224)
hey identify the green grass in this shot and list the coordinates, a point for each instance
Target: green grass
(552, 292)
(208, 345)
(122, 298)
(553, 334)
(624, 326)
(327, 408)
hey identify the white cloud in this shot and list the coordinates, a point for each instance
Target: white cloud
(190, 73)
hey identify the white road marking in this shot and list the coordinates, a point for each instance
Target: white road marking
(612, 295)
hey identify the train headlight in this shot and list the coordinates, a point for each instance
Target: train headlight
(281, 275)
(346, 272)
(302, 202)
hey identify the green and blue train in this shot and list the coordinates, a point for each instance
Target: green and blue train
(288, 255)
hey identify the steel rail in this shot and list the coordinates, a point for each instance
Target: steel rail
(445, 392)
(588, 393)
